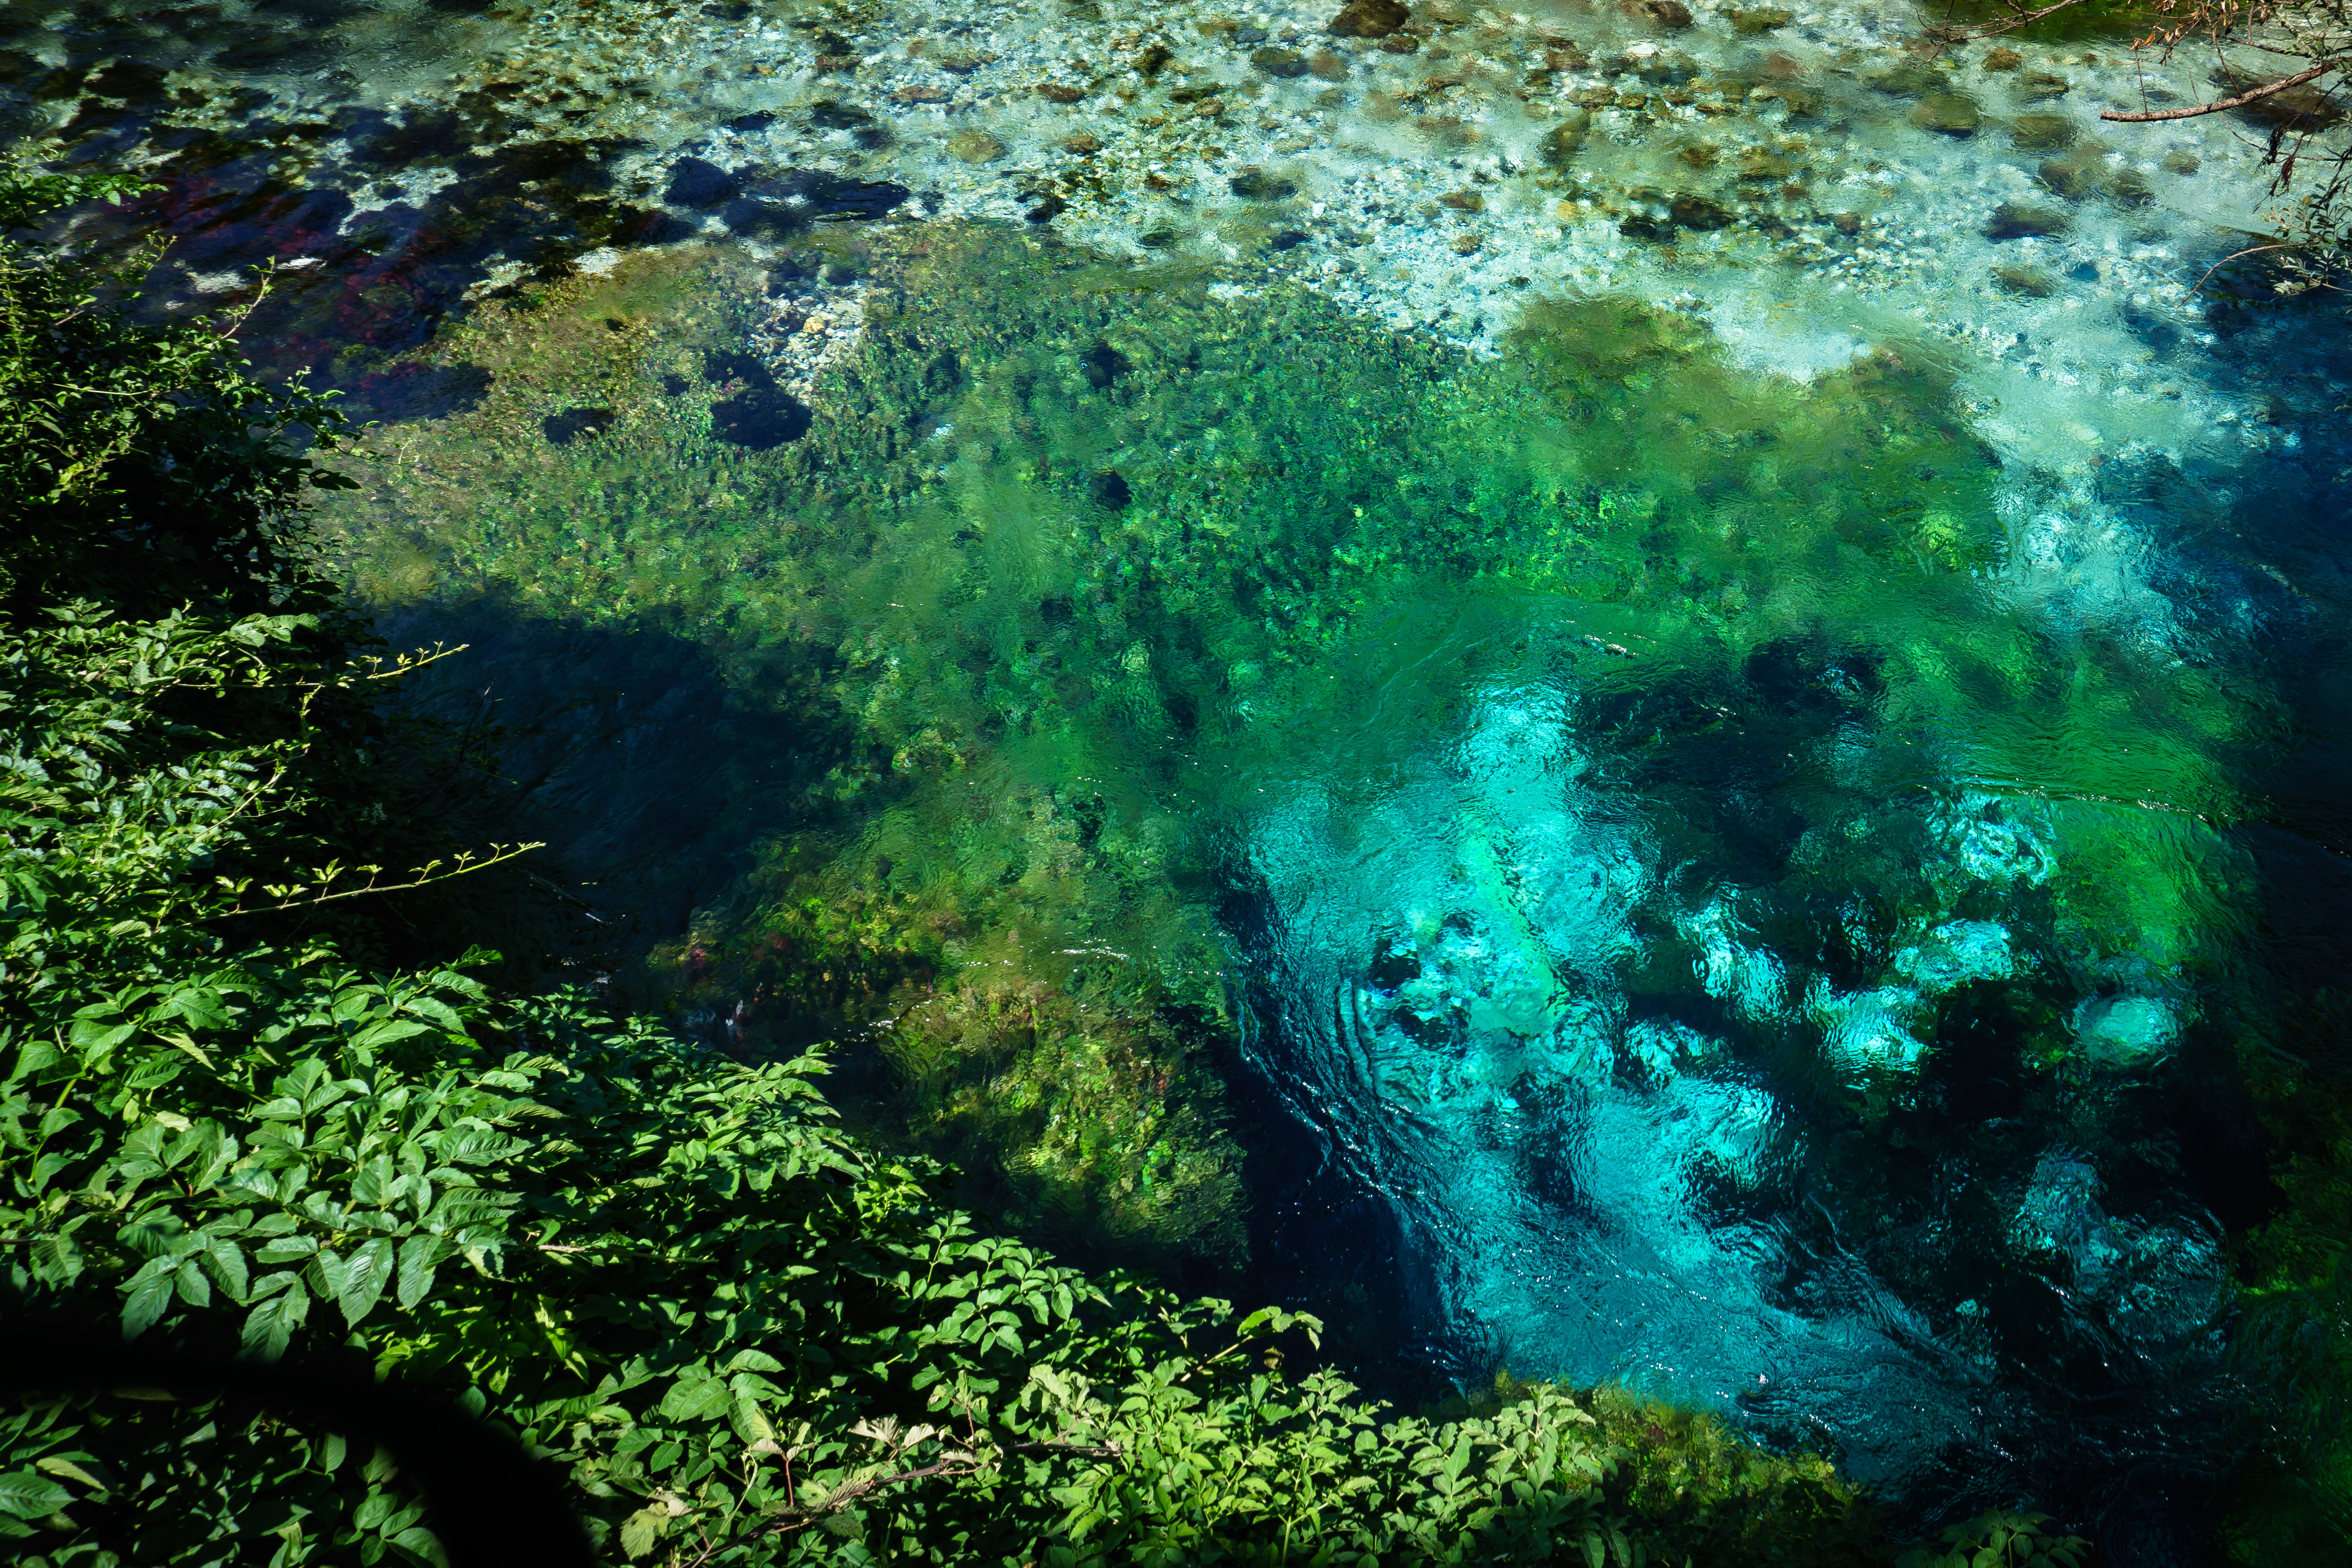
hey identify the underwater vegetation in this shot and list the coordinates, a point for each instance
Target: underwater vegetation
(1653, 832)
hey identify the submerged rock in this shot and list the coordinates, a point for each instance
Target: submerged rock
(1671, 15)
(2042, 132)
(1700, 213)
(1279, 62)
(1907, 79)
(1769, 164)
(1760, 19)
(1256, 186)
(2075, 178)
(698, 183)
(975, 147)
(2003, 59)
(2015, 220)
(1110, 490)
(2030, 282)
(1949, 114)
(1558, 148)
(1369, 19)
(573, 423)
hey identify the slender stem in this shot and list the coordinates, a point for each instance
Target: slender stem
(2218, 106)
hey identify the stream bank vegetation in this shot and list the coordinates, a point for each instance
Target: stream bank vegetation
(242, 1116)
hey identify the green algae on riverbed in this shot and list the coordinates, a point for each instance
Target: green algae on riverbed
(1071, 561)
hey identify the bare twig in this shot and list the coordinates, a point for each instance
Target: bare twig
(2223, 105)
(962, 1462)
(1993, 29)
(2250, 250)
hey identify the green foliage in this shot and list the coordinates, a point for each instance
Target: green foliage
(161, 472)
(743, 1335)
(2001, 1540)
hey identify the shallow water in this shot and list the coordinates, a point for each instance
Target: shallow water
(1692, 741)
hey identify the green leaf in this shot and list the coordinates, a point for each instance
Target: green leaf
(419, 1255)
(225, 1260)
(63, 1465)
(269, 1327)
(749, 1422)
(35, 1055)
(690, 1400)
(56, 1258)
(94, 1039)
(327, 1273)
(149, 1294)
(422, 1544)
(29, 1496)
(198, 1004)
(152, 1236)
(189, 1278)
(388, 1031)
(364, 1278)
(475, 1145)
(642, 1529)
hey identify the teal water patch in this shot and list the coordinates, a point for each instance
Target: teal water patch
(1596, 1082)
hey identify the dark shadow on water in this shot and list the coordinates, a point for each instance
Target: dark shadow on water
(573, 423)
(651, 765)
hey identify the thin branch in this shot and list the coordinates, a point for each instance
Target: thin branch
(2251, 250)
(963, 1462)
(2222, 106)
(425, 875)
(1082, 1450)
(409, 663)
(2023, 18)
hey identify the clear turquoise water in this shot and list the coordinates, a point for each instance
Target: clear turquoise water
(1757, 816)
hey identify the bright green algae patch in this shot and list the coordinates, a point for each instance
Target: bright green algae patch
(1073, 563)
